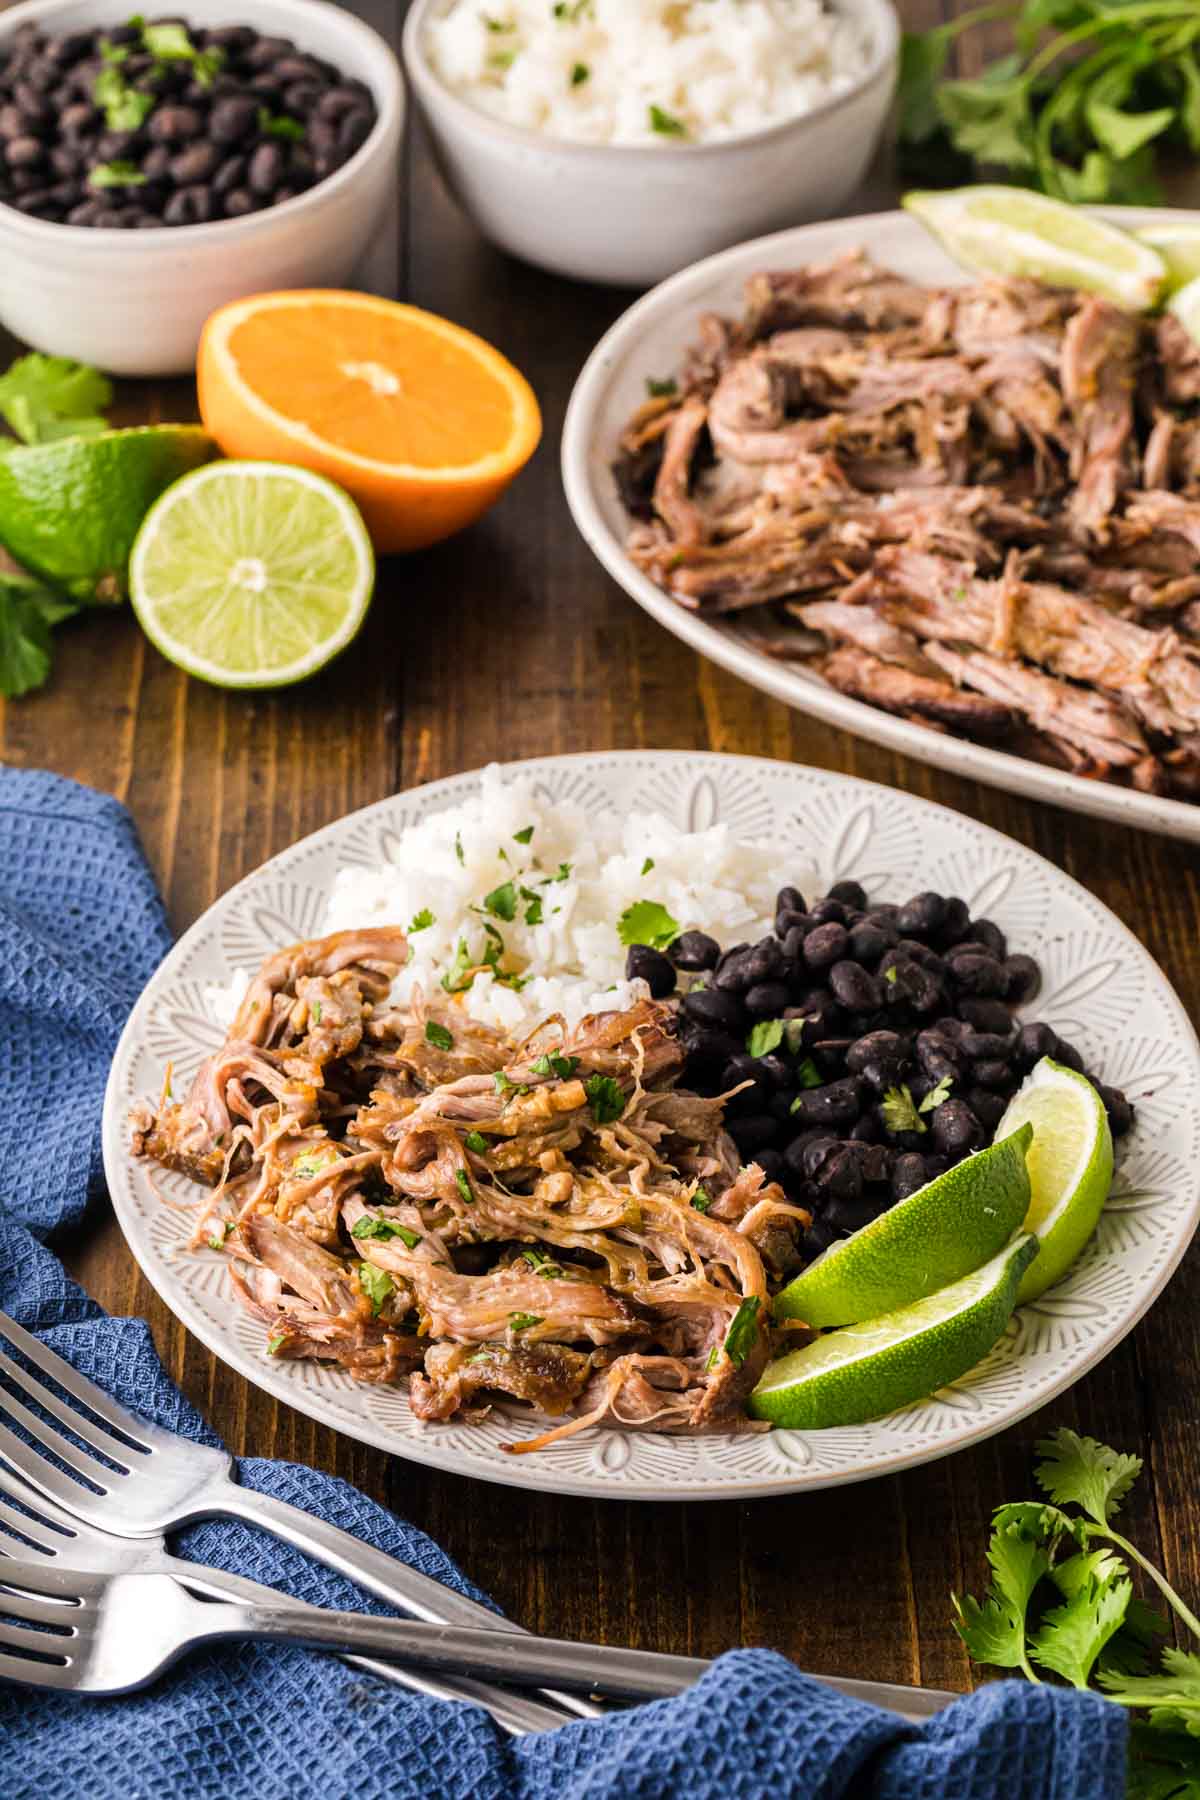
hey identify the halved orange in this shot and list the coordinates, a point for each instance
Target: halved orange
(423, 423)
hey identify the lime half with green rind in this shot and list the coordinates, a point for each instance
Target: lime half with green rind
(864, 1371)
(70, 510)
(1070, 1166)
(945, 1230)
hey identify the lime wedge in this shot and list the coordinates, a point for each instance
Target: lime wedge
(1070, 1166)
(1186, 307)
(70, 510)
(1178, 243)
(252, 574)
(1012, 231)
(866, 1370)
(940, 1233)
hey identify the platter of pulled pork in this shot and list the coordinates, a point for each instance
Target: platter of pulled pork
(485, 1124)
(956, 515)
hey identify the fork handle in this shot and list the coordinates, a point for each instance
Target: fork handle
(382, 1575)
(514, 1657)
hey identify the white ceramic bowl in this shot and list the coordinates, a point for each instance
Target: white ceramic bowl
(629, 215)
(134, 302)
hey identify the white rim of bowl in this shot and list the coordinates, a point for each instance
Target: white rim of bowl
(702, 635)
(426, 81)
(389, 104)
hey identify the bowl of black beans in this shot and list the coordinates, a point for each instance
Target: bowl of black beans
(153, 167)
(872, 1045)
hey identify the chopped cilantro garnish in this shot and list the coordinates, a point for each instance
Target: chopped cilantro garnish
(502, 902)
(520, 1321)
(533, 910)
(808, 1074)
(116, 175)
(275, 1342)
(899, 1111)
(606, 1098)
(739, 1339)
(462, 1182)
(764, 1037)
(498, 24)
(386, 1228)
(421, 921)
(524, 835)
(647, 865)
(552, 1064)
(216, 1238)
(458, 849)
(665, 123)
(702, 1200)
(476, 1141)
(280, 125)
(579, 74)
(376, 1284)
(458, 975)
(646, 922)
(438, 1036)
(937, 1095)
(502, 59)
(661, 390)
(891, 975)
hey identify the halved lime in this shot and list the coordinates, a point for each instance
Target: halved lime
(1013, 231)
(1178, 243)
(70, 510)
(866, 1370)
(1070, 1166)
(252, 574)
(1186, 307)
(940, 1233)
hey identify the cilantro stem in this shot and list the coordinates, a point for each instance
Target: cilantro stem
(1157, 1577)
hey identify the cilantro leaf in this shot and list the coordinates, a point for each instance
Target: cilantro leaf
(1071, 1637)
(522, 1321)
(383, 1229)
(1078, 1471)
(28, 612)
(280, 125)
(646, 922)
(523, 836)
(994, 1630)
(553, 1064)
(808, 1075)
(899, 1111)
(476, 1141)
(665, 123)
(462, 1182)
(421, 921)
(116, 175)
(1163, 1764)
(661, 390)
(606, 1098)
(1174, 1695)
(743, 1331)
(376, 1284)
(702, 1200)
(438, 1036)
(48, 397)
(765, 1036)
(937, 1095)
(275, 1342)
(502, 902)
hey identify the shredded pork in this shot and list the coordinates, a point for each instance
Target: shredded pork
(975, 507)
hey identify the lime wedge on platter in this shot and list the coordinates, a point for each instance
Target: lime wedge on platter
(866, 1370)
(1178, 243)
(939, 1234)
(1186, 307)
(252, 574)
(1013, 231)
(70, 510)
(1070, 1167)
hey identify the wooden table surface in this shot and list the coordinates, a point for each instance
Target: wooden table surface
(508, 642)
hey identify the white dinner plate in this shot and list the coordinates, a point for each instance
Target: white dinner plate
(648, 341)
(1101, 990)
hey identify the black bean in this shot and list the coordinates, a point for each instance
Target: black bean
(876, 1046)
(706, 1005)
(337, 102)
(956, 920)
(231, 38)
(694, 950)
(922, 916)
(908, 984)
(869, 941)
(85, 214)
(1024, 978)
(793, 945)
(817, 1153)
(321, 137)
(986, 1045)
(198, 163)
(850, 893)
(955, 1129)
(837, 1103)
(989, 934)
(989, 1108)
(976, 972)
(24, 152)
(771, 1164)
(731, 975)
(766, 999)
(854, 988)
(230, 174)
(780, 1108)
(788, 920)
(818, 1238)
(866, 1131)
(790, 899)
(266, 171)
(998, 1074)
(908, 1174)
(66, 160)
(984, 1015)
(642, 963)
(1033, 1042)
(174, 124)
(877, 1160)
(189, 206)
(850, 1215)
(766, 961)
(828, 912)
(156, 163)
(940, 1057)
(778, 1070)
(75, 120)
(753, 1132)
(1068, 1054)
(826, 944)
(708, 1045)
(1120, 1112)
(233, 119)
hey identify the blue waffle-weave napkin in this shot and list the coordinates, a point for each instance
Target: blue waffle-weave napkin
(81, 930)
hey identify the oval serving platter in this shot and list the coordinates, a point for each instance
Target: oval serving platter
(649, 340)
(1100, 988)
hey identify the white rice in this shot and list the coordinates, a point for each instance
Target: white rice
(604, 71)
(573, 962)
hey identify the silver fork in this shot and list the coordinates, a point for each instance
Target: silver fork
(151, 1481)
(110, 1634)
(49, 1533)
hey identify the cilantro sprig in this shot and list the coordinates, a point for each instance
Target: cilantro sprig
(1078, 113)
(647, 922)
(1061, 1600)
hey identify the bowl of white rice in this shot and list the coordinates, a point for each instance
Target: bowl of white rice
(620, 140)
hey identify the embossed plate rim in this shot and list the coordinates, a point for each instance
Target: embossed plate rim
(869, 1450)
